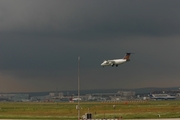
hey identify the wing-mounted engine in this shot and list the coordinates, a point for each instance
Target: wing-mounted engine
(112, 63)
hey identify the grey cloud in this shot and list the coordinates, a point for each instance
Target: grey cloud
(41, 40)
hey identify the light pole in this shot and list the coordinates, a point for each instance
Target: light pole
(78, 88)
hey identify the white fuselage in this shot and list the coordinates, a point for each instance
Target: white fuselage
(113, 62)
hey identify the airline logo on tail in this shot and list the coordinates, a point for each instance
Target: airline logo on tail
(116, 62)
(127, 56)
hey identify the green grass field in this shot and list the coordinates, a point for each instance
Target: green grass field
(67, 111)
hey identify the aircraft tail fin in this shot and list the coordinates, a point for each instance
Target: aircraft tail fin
(127, 56)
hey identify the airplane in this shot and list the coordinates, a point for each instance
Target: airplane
(116, 62)
(161, 96)
(76, 99)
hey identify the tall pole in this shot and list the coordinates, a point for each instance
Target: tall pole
(78, 89)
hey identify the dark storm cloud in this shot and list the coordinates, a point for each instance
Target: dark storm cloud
(76, 19)
(40, 41)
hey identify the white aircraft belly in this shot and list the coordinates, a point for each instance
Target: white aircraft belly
(120, 61)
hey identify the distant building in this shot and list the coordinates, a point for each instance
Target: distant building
(127, 94)
(14, 97)
(56, 94)
(119, 96)
(40, 98)
(53, 94)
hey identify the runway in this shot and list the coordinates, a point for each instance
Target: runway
(136, 119)
(156, 119)
(106, 119)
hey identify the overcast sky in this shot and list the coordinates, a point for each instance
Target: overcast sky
(40, 41)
